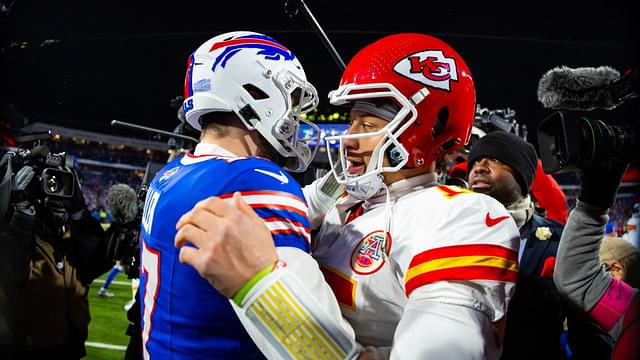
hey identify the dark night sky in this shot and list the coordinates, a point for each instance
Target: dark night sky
(126, 59)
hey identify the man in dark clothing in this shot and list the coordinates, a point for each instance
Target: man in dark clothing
(503, 165)
(52, 249)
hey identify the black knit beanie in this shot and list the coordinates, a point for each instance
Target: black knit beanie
(510, 149)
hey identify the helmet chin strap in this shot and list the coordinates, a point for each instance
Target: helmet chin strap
(366, 187)
(387, 215)
(369, 184)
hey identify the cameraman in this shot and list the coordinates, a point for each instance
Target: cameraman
(53, 249)
(581, 278)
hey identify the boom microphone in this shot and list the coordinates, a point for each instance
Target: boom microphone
(587, 88)
(122, 203)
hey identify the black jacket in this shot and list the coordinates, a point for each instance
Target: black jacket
(49, 310)
(536, 313)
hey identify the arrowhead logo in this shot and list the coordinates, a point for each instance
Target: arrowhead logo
(494, 221)
(430, 68)
(280, 176)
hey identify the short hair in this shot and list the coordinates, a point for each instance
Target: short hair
(218, 122)
(624, 252)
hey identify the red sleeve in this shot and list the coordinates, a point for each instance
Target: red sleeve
(549, 195)
(459, 170)
(631, 175)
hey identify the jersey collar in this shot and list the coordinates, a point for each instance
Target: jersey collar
(212, 149)
(404, 186)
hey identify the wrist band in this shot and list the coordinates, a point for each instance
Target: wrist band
(244, 290)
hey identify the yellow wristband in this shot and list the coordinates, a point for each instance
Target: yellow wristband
(244, 290)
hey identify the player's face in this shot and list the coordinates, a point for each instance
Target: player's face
(494, 178)
(359, 151)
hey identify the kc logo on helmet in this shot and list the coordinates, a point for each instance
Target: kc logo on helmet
(430, 68)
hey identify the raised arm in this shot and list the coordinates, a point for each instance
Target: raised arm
(578, 274)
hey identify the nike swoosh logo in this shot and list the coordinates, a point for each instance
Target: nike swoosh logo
(280, 177)
(494, 221)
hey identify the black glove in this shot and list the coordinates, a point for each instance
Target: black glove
(76, 204)
(600, 183)
(20, 183)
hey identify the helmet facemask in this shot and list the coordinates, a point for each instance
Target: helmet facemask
(284, 134)
(370, 183)
(263, 83)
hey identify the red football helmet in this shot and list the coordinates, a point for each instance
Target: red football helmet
(430, 84)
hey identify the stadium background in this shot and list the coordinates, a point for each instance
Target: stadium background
(74, 66)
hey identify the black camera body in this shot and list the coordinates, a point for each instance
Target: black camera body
(571, 143)
(567, 140)
(53, 177)
(498, 119)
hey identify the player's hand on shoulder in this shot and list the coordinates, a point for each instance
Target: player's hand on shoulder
(230, 242)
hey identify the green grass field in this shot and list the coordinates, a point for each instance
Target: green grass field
(107, 339)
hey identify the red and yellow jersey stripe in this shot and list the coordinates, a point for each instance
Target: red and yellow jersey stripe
(452, 191)
(344, 287)
(462, 263)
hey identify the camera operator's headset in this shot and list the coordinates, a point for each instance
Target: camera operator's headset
(5, 183)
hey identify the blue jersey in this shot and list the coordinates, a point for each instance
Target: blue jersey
(183, 317)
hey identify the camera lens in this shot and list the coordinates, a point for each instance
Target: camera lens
(52, 184)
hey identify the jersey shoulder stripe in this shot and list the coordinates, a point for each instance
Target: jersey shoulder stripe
(272, 199)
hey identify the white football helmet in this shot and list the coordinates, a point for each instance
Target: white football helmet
(262, 82)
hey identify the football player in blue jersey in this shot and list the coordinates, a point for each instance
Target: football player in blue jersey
(246, 93)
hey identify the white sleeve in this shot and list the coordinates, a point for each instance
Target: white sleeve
(293, 314)
(308, 272)
(459, 283)
(434, 330)
(321, 195)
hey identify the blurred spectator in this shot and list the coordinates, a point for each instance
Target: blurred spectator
(115, 270)
(610, 229)
(622, 259)
(632, 233)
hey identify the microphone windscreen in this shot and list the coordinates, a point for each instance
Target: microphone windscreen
(576, 89)
(122, 203)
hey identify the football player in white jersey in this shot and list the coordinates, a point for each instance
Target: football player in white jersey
(421, 270)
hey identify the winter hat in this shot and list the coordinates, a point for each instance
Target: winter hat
(615, 248)
(511, 150)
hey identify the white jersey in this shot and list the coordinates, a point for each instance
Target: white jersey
(446, 246)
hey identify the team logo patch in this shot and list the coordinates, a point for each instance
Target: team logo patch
(169, 173)
(202, 85)
(269, 48)
(370, 253)
(429, 67)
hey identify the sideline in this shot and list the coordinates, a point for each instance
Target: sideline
(105, 346)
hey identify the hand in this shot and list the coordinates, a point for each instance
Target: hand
(600, 183)
(76, 203)
(22, 179)
(231, 243)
